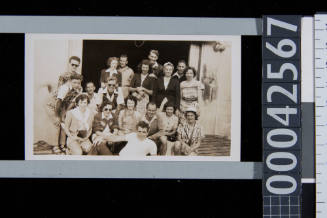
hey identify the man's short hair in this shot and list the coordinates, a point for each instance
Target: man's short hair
(111, 78)
(90, 83)
(124, 56)
(156, 52)
(143, 125)
(182, 61)
(75, 58)
(76, 76)
(151, 103)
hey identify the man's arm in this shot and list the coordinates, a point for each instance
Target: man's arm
(148, 91)
(114, 138)
(153, 149)
(58, 107)
(177, 94)
(120, 97)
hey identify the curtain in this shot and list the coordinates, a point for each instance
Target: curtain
(215, 73)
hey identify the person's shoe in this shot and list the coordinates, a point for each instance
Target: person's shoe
(56, 149)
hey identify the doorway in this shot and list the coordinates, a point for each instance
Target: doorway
(96, 52)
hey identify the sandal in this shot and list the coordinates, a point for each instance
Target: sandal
(56, 150)
(63, 148)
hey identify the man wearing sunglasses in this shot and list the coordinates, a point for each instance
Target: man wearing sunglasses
(112, 93)
(73, 68)
(103, 126)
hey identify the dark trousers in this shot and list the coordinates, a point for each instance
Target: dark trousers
(100, 149)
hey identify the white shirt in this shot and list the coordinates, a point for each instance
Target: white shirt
(63, 90)
(119, 91)
(166, 82)
(111, 73)
(138, 148)
(143, 78)
(94, 101)
(82, 117)
(106, 130)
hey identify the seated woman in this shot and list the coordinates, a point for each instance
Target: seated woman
(191, 91)
(189, 135)
(104, 126)
(142, 86)
(128, 117)
(78, 126)
(168, 127)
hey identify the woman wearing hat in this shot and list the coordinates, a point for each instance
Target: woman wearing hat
(189, 135)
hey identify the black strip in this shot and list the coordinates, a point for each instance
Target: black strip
(12, 96)
(308, 200)
(251, 131)
(140, 198)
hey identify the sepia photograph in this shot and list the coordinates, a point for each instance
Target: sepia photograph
(132, 97)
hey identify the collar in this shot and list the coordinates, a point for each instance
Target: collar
(92, 95)
(155, 64)
(114, 72)
(123, 68)
(195, 124)
(68, 85)
(110, 116)
(176, 74)
(146, 120)
(105, 91)
(144, 75)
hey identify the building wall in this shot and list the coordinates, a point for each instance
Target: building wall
(215, 71)
(50, 60)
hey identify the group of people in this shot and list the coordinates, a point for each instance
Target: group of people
(152, 111)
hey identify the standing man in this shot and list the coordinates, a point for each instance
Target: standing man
(179, 74)
(156, 68)
(73, 66)
(125, 74)
(94, 97)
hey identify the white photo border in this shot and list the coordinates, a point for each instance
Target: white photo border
(235, 93)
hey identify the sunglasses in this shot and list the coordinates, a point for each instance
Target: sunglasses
(107, 109)
(75, 65)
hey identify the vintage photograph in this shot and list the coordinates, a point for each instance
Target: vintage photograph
(132, 97)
